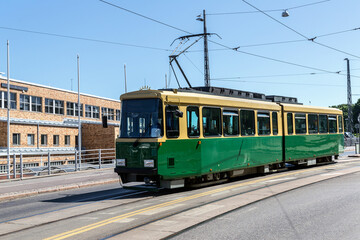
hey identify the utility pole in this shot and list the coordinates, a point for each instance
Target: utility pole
(206, 55)
(79, 118)
(165, 81)
(349, 98)
(8, 113)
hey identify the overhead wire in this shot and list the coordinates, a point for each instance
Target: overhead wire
(235, 49)
(272, 10)
(300, 34)
(84, 39)
(143, 16)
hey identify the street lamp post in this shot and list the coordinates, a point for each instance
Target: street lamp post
(8, 113)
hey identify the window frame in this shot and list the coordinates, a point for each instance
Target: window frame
(18, 139)
(41, 140)
(219, 125)
(67, 143)
(277, 123)
(198, 121)
(259, 112)
(241, 121)
(171, 111)
(32, 139)
(327, 124)
(296, 116)
(292, 123)
(58, 140)
(232, 110)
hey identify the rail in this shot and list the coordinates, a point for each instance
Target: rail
(24, 165)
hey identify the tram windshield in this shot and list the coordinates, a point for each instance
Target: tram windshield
(141, 118)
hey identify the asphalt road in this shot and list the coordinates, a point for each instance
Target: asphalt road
(57, 201)
(325, 210)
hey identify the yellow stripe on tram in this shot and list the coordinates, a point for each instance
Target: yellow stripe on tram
(140, 211)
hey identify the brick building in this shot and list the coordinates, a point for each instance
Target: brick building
(46, 119)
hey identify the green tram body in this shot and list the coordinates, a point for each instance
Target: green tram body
(182, 160)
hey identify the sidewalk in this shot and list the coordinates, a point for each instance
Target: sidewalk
(12, 189)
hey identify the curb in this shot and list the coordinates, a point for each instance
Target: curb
(28, 193)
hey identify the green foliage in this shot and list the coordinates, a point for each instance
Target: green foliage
(355, 110)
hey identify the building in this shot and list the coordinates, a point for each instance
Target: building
(45, 119)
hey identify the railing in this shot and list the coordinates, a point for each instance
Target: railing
(24, 165)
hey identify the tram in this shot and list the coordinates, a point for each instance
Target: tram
(178, 137)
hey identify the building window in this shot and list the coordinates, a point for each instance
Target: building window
(54, 106)
(76, 141)
(92, 111)
(193, 121)
(118, 114)
(231, 123)
(3, 100)
(30, 103)
(263, 123)
(31, 139)
(67, 140)
(16, 139)
(44, 140)
(211, 121)
(109, 112)
(24, 102)
(56, 140)
(72, 109)
(247, 122)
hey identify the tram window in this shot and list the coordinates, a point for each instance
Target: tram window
(275, 123)
(247, 122)
(211, 121)
(300, 123)
(193, 125)
(231, 123)
(290, 123)
(263, 123)
(340, 124)
(313, 123)
(332, 124)
(172, 122)
(323, 124)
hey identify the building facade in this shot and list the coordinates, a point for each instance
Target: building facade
(45, 119)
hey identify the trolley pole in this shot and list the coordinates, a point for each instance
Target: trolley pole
(125, 78)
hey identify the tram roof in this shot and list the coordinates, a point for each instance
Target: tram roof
(175, 96)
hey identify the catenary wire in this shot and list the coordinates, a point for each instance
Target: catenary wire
(272, 10)
(292, 29)
(83, 38)
(286, 83)
(143, 16)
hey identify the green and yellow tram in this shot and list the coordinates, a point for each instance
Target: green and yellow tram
(179, 137)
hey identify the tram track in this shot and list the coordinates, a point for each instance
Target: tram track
(209, 193)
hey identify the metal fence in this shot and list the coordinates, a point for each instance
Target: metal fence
(24, 165)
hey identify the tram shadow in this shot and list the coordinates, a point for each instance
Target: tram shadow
(117, 193)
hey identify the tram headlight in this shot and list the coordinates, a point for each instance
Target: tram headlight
(120, 162)
(149, 163)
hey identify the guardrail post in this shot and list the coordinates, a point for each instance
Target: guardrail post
(80, 156)
(14, 166)
(76, 160)
(21, 167)
(49, 169)
(99, 158)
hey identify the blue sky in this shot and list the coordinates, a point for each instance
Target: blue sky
(50, 60)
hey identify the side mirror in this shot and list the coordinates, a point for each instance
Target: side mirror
(179, 113)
